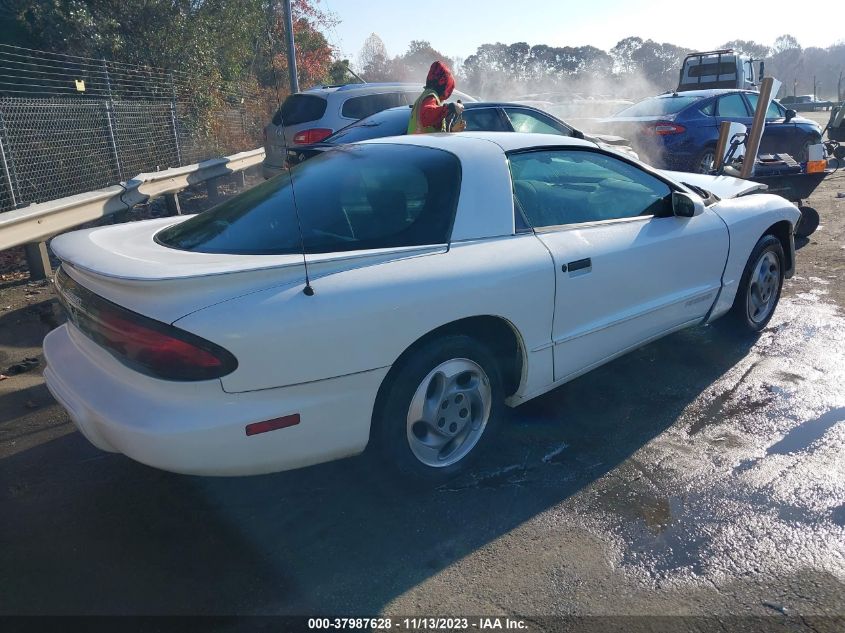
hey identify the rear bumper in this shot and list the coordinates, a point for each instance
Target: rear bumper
(196, 427)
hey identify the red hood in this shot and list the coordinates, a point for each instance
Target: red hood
(440, 79)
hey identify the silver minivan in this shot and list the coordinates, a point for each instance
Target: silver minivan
(310, 116)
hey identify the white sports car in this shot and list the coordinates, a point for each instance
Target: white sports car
(449, 275)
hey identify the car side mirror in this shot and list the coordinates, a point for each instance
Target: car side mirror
(686, 206)
(790, 114)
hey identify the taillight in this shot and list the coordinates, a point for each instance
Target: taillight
(314, 135)
(151, 347)
(662, 128)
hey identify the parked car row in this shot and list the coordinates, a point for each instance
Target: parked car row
(675, 131)
(806, 103)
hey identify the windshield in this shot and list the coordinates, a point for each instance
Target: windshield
(392, 122)
(381, 196)
(659, 106)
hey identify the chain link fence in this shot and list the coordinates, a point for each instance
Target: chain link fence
(71, 124)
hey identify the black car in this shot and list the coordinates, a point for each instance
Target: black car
(479, 117)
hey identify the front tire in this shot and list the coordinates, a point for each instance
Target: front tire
(438, 409)
(760, 286)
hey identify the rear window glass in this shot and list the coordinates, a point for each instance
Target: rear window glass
(381, 196)
(390, 123)
(300, 109)
(360, 107)
(659, 106)
(712, 68)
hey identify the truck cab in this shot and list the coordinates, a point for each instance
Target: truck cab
(718, 69)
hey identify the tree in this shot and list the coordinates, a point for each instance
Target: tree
(622, 54)
(419, 57)
(785, 43)
(373, 59)
(339, 72)
(659, 63)
(748, 48)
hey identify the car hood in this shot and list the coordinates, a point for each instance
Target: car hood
(722, 186)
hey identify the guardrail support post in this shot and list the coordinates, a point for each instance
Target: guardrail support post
(38, 260)
(211, 188)
(171, 201)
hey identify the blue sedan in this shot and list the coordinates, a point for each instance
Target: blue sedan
(679, 130)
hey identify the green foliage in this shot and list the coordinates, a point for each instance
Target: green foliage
(219, 48)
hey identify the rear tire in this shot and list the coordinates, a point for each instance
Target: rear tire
(703, 163)
(760, 286)
(438, 408)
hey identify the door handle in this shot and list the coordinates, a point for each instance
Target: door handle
(585, 264)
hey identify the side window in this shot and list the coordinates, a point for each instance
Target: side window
(558, 187)
(773, 111)
(709, 108)
(484, 120)
(524, 120)
(360, 107)
(732, 106)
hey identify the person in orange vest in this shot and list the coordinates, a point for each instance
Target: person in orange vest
(430, 112)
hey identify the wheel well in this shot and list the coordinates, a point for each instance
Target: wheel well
(782, 230)
(496, 333)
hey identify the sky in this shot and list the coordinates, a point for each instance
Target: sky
(458, 28)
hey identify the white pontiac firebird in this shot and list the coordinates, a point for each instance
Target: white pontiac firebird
(450, 275)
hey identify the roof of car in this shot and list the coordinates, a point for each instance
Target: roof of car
(366, 86)
(713, 92)
(506, 141)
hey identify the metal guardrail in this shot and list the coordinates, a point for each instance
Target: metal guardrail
(38, 222)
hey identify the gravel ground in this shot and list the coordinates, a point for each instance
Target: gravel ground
(699, 476)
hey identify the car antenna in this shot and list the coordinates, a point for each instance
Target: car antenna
(308, 290)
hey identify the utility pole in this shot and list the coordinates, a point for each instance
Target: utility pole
(294, 81)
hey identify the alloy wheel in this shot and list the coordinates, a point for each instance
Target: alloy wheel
(449, 412)
(763, 287)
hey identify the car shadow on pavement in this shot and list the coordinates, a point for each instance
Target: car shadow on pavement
(27, 326)
(92, 532)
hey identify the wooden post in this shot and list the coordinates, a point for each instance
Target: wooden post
(171, 201)
(38, 260)
(752, 145)
(721, 144)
